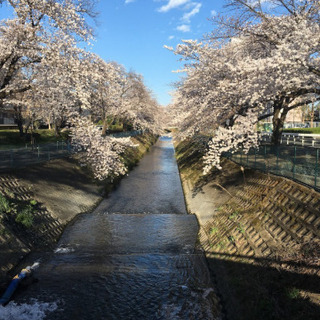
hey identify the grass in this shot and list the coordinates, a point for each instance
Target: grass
(213, 230)
(234, 215)
(10, 138)
(293, 293)
(21, 211)
(4, 204)
(25, 216)
(304, 130)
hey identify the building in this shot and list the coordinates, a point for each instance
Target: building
(7, 117)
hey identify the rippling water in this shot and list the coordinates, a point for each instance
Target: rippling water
(134, 257)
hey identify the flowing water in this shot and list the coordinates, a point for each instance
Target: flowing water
(135, 257)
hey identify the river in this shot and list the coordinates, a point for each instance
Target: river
(135, 257)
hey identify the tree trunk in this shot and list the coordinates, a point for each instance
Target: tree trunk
(279, 116)
(19, 120)
(105, 127)
(49, 122)
(56, 129)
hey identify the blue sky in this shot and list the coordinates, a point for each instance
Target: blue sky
(133, 33)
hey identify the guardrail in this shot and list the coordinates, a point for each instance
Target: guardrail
(291, 138)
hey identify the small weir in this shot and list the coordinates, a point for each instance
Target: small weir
(134, 257)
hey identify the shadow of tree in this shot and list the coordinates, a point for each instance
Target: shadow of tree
(253, 288)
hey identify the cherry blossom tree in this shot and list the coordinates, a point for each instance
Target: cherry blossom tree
(32, 35)
(102, 154)
(45, 74)
(286, 33)
(270, 62)
(139, 106)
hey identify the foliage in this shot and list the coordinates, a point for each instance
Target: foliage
(33, 202)
(213, 230)
(293, 293)
(4, 205)
(21, 211)
(25, 216)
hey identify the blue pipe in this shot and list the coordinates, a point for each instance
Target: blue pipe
(15, 282)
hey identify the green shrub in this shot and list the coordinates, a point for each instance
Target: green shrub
(25, 216)
(4, 204)
(33, 202)
(292, 293)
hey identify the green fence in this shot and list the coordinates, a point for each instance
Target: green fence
(294, 162)
(30, 155)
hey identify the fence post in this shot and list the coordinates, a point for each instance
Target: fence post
(255, 158)
(11, 158)
(294, 162)
(277, 146)
(265, 158)
(316, 168)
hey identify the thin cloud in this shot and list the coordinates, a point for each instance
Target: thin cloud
(172, 4)
(187, 16)
(129, 1)
(183, 28)
(170, 37)
(213, 13)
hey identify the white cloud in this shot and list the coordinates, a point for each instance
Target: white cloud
(183, 28)
(213, 13)
(172, 4)
(170, 37)
(186, 17)
(129, 1)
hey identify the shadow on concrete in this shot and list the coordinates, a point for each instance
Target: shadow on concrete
(253, 288)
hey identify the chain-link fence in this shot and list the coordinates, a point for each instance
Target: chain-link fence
(295, 162)
(29, 155)
(22, 157)
(126, 134)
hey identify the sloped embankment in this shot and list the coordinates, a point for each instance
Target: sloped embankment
(261, 236)
(37, 202)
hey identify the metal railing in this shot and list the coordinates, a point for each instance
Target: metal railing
(29, 155)
(268, 126)
(126, 134)
(300, 163)
(298, 139)
(33, 154)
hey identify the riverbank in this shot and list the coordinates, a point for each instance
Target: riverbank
(260, 234)
(46, 198)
